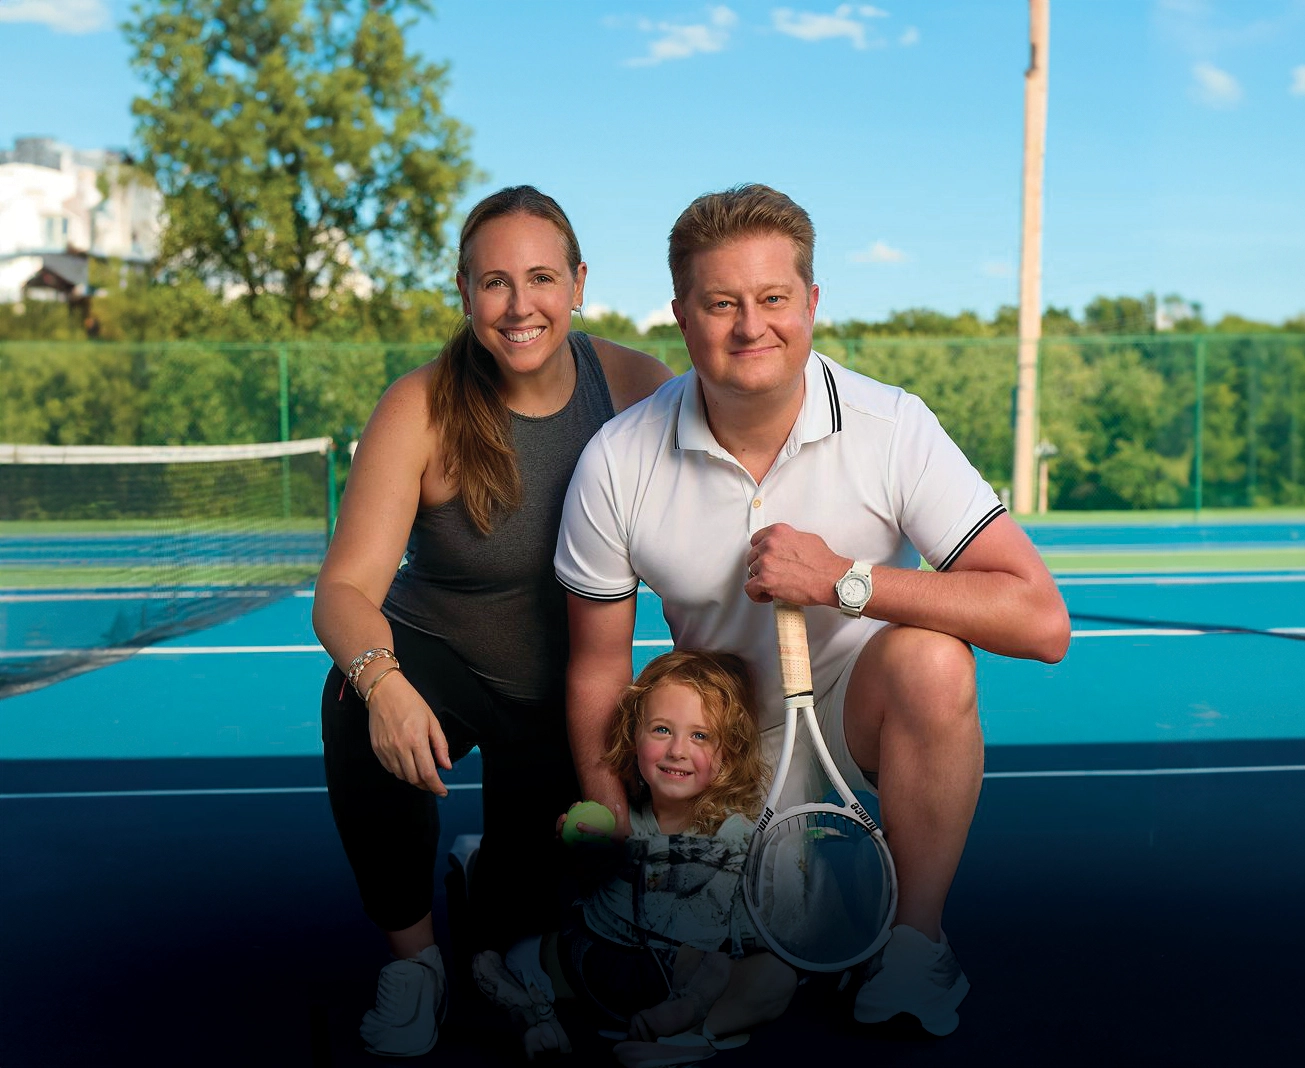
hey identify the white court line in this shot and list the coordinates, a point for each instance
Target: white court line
(1105, 773)
(1157, 632)
(218, 792)
(1175, 580)
(206, 650)
(117, 653)
(239, 791)
(655, 643)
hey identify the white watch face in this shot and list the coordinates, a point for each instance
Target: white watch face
(853, 590)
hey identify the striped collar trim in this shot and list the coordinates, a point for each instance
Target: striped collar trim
(821, 415)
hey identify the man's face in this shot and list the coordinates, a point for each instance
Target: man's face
(747, 318)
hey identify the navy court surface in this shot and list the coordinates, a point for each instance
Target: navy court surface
(174, 893)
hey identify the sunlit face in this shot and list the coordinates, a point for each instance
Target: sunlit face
(520, 291)
(748, 317)
(679, 754)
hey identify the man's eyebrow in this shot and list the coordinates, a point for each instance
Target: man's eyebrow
(766, 287)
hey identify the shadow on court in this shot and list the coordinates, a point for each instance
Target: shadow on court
(1118, 917)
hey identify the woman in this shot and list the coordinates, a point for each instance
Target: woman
(464, 464)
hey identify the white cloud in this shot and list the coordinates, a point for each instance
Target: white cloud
(909, 37)
(868, 12)
(1214, 87)
(62, 16)
(997, 269)
(680, 41)
(597, 309)
(808, 26)
(1298, 80)
(662, 316)
(878, 252)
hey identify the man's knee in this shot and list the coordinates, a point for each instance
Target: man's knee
(927, 676)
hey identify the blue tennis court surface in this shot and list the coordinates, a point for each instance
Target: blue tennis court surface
(174, 892)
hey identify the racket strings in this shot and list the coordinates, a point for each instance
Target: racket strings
(820, 888)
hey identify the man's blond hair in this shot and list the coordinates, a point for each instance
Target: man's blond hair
(715, 219)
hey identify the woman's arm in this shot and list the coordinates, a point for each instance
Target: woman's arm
(376, 514)
(631, 375)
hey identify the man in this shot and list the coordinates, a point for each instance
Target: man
(770, 472)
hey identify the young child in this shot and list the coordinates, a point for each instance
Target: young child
(652, 944)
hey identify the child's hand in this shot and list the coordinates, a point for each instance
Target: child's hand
(574, 826)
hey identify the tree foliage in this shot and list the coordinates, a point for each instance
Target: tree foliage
(297, 143)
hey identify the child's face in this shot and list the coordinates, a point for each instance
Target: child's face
(678, 749)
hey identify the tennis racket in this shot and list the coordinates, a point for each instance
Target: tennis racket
(818, 881)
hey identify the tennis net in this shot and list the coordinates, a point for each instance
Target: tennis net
(107, 549)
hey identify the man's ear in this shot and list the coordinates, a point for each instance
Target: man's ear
(679, 314)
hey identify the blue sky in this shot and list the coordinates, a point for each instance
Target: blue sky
(1175, 154)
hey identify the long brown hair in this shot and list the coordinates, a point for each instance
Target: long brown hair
(464, 397)
(724, 684)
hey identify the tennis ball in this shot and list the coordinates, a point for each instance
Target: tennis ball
(592, 814)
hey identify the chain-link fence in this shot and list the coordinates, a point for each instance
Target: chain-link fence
(1155, 421)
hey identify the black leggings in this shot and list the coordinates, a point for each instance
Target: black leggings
(390, 829)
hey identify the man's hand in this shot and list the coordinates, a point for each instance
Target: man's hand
(406, 736)
(789, 565)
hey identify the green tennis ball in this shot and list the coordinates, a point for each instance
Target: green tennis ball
(592, 814)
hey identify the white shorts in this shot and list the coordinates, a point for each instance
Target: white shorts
(807, 780)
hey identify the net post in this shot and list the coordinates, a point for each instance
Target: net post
(332, 502)
(1198, 419)
(283, 405)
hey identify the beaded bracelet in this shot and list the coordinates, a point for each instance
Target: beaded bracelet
(359, 663)
(376, 682)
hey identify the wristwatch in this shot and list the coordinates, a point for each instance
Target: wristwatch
(854, 589)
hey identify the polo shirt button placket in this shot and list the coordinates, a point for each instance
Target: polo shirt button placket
(756, 520)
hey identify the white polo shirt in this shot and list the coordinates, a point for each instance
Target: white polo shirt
(655, 497)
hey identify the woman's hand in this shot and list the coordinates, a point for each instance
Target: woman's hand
(406, 736)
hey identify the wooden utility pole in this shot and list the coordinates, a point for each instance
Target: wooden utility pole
(1030, 327)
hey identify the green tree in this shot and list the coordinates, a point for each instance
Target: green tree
(610, 324)
(296, 142)
(1120, 315)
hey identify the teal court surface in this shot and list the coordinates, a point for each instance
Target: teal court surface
(174, 893)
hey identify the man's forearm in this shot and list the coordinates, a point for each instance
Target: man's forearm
(592, 691)
(1002, 613)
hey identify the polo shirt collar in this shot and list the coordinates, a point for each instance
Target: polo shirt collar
(821, 413)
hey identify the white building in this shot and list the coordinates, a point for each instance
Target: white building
(54, 218)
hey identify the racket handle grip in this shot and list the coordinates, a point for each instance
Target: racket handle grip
(794, 658)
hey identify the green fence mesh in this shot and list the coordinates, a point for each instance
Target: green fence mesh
(1155, 421)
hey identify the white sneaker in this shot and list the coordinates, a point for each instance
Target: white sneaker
(531, 1011)
(411, 996)
(916, 976)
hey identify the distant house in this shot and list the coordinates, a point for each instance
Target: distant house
(54, 218)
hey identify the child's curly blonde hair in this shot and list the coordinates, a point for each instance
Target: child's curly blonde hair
(724, 684)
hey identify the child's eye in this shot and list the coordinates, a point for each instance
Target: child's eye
(701, 736)
(661, 730)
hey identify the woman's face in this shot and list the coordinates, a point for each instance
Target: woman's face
(520, 291)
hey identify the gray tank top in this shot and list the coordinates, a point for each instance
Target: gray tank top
(493, 597)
